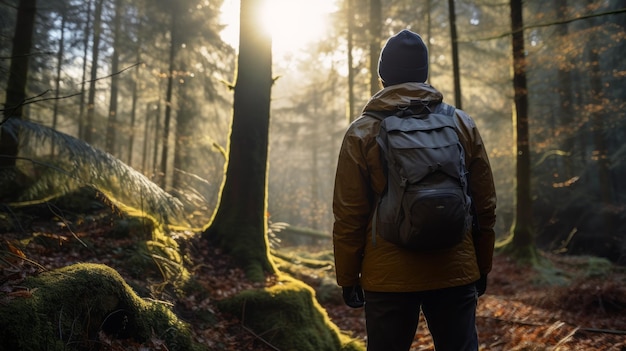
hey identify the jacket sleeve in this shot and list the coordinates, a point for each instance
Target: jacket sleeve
(482, 190)
(352, 204)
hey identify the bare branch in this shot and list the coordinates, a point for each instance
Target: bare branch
(27, 55)
(548, 24)
(34, 99)
(114, 74)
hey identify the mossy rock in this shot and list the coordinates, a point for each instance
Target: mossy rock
(72, 308)
(288, 316)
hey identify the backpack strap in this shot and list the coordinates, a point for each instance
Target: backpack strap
(450, 110)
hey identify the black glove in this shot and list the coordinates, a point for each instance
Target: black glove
(481, 285)
(353, 296)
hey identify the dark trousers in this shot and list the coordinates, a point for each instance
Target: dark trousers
(391, 318)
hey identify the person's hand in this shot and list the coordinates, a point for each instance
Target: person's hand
(481, 285)
(353, 296)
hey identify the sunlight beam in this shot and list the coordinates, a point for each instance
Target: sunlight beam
(292, 24)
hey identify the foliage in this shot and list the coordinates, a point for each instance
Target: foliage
(77, 164)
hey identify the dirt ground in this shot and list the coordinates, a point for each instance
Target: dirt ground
(520, 311)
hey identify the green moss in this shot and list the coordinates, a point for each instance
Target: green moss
(247, 243)
(71, 307)
(320, 277)
(288, 316)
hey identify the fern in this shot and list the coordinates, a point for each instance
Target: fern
(41, 175)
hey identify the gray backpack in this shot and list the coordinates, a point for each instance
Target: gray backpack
(426, 206)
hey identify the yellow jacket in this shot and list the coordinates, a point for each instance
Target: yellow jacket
(382, 266)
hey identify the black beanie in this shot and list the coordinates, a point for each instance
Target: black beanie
(404, 58)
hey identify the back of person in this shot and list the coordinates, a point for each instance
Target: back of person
(426, 204)
(392, 282)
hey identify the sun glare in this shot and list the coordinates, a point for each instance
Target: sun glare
(291, 23)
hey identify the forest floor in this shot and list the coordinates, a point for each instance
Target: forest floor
(522, 309)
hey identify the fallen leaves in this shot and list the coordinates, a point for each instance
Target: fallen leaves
(515, 314)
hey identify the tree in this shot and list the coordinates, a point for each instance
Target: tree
(522, 238)
(89, 131)
(112, 119)
(455, 55)
(86, 34)
(16, 85)
(374, 31)
(239, 224)
(59, 63)
(169, 94)
(350, 42)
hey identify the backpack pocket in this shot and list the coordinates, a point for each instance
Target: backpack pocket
(437, 218)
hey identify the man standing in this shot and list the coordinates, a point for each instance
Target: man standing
(394, 283)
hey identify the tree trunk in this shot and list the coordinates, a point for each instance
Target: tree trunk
(146, 137)
(455, 55)
(95, 53)
(16, 84)
(566, 100)
(57, 83)
(601, 151)
(350, 20)
(168, 96)
(522, 244)
(133, 111)
(157, 133)
(375, 28)
(183, 134)
(239, 224)
(81, 112)
(115, 62)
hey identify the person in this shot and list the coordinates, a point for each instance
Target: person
(392, 283)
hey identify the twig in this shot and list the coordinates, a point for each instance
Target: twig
(565, 339)
(604, 331)
(532, 324)
(114, 74)
(67, 225)
(578, 329)
(25, 55)
(22, 103)
(41, 267)
(548, 24)
(32, 100)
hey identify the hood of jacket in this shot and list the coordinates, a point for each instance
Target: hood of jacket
(396, 96)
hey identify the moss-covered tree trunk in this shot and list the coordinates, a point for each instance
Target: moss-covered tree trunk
(239, 225)
(522, 240)
(16, 84)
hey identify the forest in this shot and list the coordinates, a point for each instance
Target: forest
(167, 167)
